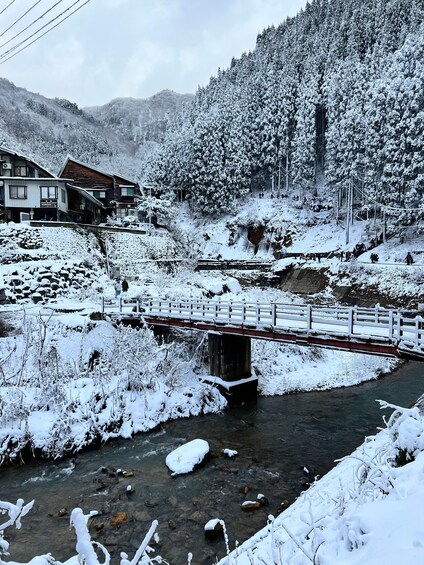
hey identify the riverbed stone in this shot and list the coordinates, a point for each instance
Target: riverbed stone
(263, 501)
(141, 516)
(172, 500)
(199, 517)
(244, 489)
(250, 505)
(213, 529)
(118, 519)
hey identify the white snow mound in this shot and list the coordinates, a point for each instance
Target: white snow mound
(187, 456)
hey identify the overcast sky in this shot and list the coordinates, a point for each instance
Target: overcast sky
(113, 48)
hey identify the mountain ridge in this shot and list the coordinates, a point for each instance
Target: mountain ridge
(50, 129)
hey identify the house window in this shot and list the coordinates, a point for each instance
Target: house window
(48, 192)
(127, 191)
(97, 193)
(17, 192)
(63, 196)
(20, 171)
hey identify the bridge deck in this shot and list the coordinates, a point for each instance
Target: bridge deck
(379, 331)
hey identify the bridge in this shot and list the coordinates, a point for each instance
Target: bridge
(230, 325)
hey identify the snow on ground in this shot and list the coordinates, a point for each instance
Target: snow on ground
(289, 368)
(68, 381)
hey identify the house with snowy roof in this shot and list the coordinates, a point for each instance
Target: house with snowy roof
(118, 194)
(28, 191)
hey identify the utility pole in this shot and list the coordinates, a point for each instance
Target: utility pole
(349, 210)
(384, 225)
(287, 173)
(337, 203)
(279, 176)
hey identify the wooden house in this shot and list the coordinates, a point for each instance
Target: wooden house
(116, 193)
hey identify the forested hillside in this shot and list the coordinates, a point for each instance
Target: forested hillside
(48, 130)
(118, 137)
(140, 120)
(331, 97)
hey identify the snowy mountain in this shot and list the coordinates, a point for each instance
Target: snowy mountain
(329, 97)
(50, 129)
(140, 120)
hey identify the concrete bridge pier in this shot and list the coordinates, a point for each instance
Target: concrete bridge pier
(230, 366)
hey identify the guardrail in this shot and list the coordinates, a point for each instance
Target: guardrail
(379, 323)
(228, 264)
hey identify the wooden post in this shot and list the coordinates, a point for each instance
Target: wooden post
(273, 314)
(398, 323)
(350, 321)
(308, 317)
(391, 324)
(103, 304)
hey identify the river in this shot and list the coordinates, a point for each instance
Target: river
(275, 438)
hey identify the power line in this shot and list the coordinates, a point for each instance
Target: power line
(29, 25)
(10, 51)
(4, 9)
(385, 206)
(13, 48)
(19, 19)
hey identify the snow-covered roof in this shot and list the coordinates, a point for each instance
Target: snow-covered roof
(87, 166)
(5, 149)
(36, 179)
(87, 195)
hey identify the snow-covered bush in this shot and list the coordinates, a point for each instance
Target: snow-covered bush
(68, 382)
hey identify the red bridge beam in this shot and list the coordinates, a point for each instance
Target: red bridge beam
(382, 347)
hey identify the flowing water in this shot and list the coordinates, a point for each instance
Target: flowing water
(275, 439)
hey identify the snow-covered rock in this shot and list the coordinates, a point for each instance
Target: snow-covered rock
(230, 452)
(185, 458)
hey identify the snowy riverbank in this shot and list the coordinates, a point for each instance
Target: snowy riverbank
(70, 381)
(367, 510)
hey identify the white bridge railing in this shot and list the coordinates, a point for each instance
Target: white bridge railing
(337, 320)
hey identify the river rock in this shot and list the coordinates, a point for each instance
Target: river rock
(213, 528)
(118, 519)
(62, 512)
(249, 505)
(172, 500)
(263, 501)
(198, 516)
(187, 457)
(110, 471)
(230, 452)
